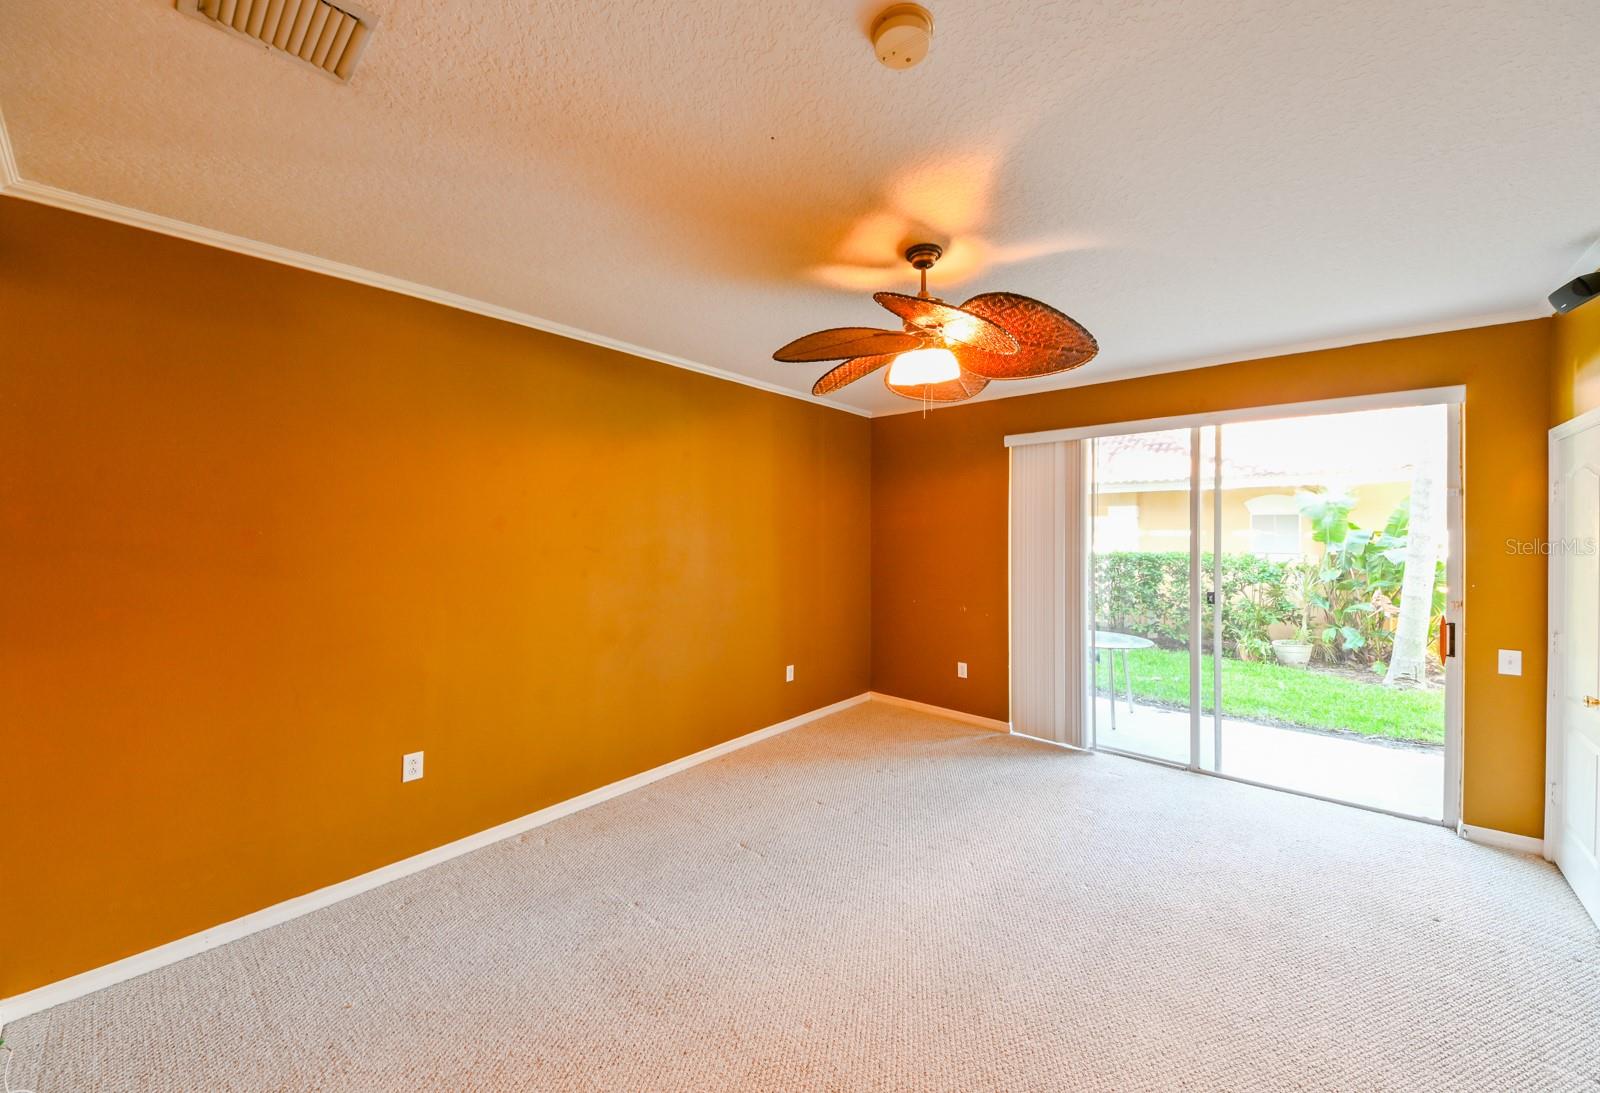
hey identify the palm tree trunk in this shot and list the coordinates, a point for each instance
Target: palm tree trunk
(1408, 663)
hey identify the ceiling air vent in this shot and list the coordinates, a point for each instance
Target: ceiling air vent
(327, 37)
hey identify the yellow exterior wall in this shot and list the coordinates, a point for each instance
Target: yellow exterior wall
(262, 532)
(1164, 514)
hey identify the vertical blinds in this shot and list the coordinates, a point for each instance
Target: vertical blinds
(1047, 592)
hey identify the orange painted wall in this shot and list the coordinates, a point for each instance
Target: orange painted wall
(1575, 364)
(263, 531)
(939, 527)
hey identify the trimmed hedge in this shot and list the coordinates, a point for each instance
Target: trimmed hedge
(1146, 592)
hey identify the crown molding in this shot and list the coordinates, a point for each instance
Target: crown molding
(9, 176)
(165, 225)
(12, 184)
(1416, 330)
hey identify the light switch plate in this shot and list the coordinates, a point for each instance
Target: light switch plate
(788, 673)
(1511, 662)
(961, 669)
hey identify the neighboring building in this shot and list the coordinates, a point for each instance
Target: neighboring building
(1141, 481)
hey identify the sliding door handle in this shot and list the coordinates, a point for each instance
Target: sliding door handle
(1447, 640)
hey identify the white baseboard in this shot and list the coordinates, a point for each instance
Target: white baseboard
(941, 711)
(1502, 840)
(53, 994)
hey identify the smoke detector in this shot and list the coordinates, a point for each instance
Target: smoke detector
(901, 35)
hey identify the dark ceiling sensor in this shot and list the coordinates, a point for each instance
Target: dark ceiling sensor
(1576, 292)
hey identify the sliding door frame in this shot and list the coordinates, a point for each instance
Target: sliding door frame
(1452, 397)
(1216, 597)
(1195, 598)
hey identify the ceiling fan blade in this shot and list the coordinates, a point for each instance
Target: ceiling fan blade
(843, 342)
(850, 371)
(955, 325)
(1048, 341)
(962, 387)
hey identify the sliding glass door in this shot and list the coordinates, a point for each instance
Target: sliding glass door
(1270, 601)
(1141, 577)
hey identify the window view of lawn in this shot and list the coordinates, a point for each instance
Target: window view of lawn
(1272, 693)
(1308, 557)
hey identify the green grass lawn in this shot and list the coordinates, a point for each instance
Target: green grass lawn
(1287, 696)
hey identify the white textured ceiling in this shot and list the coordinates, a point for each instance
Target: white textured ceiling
(1193, 181)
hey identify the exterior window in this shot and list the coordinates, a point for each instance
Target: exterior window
(1275, 536)
(1118, 529)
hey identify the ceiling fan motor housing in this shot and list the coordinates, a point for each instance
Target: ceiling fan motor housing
(902, 35)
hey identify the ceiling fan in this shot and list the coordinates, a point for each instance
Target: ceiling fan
(946, 353)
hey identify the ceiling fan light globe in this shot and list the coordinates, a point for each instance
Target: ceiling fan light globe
(961, 330)
(921, 367)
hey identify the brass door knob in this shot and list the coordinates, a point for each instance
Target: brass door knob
(1591, 700)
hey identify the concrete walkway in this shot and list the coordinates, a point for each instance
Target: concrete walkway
(1408, 780)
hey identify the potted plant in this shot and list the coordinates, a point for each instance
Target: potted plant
(1295, 651)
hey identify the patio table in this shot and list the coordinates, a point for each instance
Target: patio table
(1111, 642)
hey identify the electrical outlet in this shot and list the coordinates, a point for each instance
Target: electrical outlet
(788, 673)
(1511, 662)
(961, 669)
(411, 766)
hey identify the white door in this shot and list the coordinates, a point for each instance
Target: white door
(1574, 754)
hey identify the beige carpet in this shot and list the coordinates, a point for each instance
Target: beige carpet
(888, 901)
